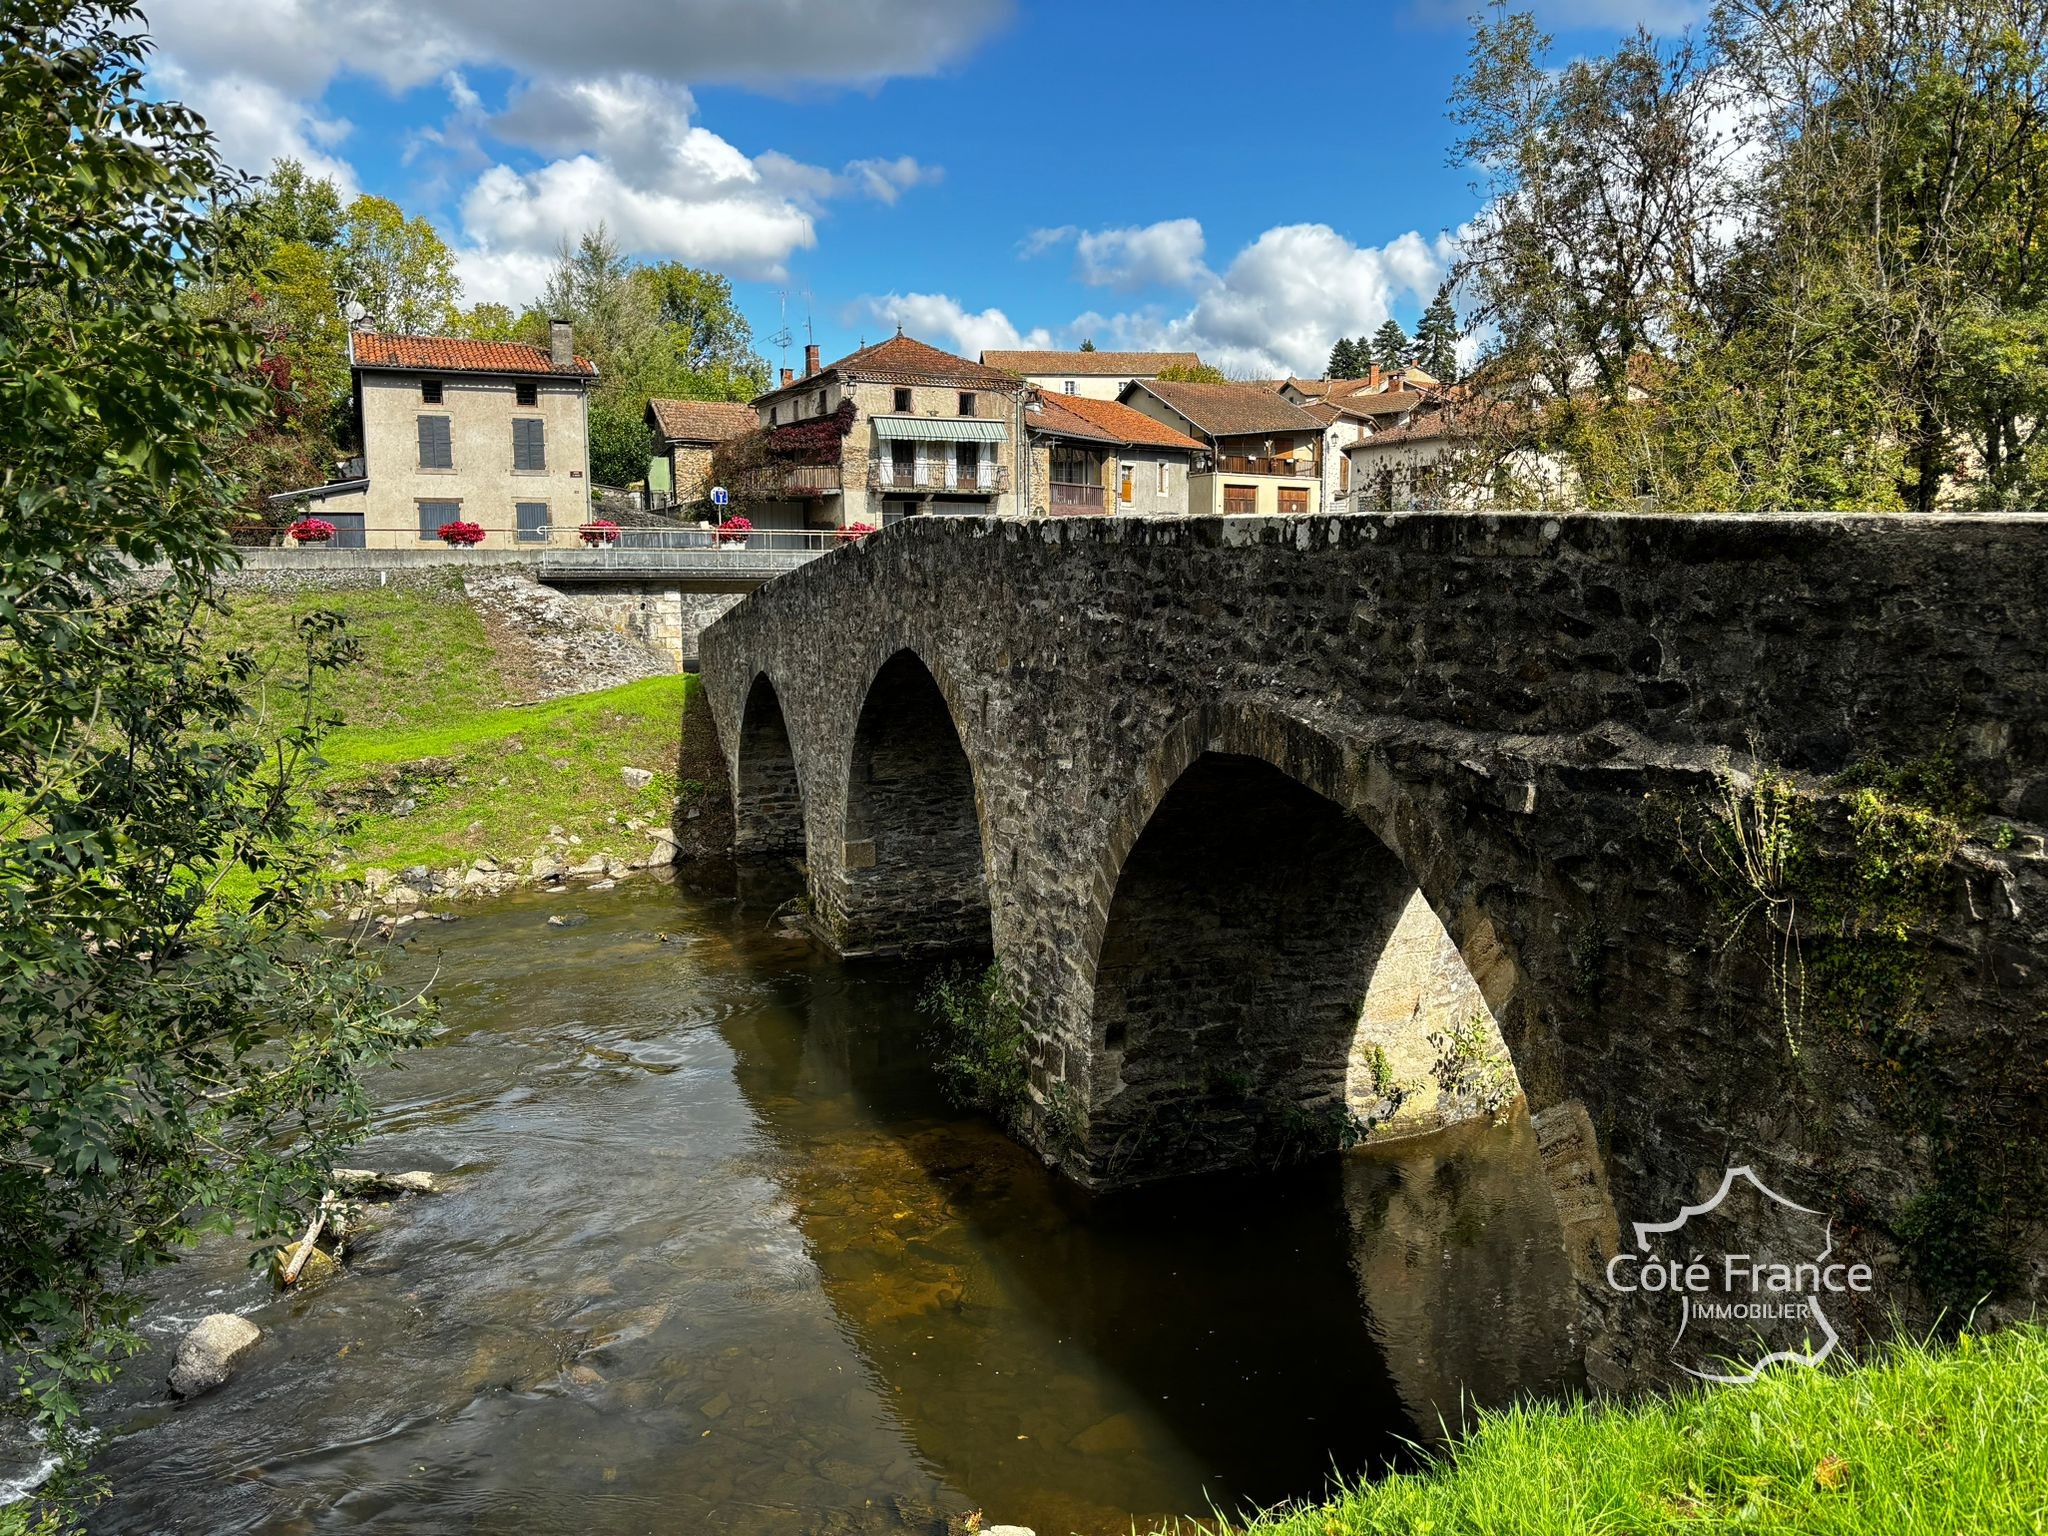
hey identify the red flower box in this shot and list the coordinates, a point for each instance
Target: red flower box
(854, 531)
(461, 535)
(311, 530)
(599, 532)
(733, 530)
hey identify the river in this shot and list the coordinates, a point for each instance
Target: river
(715, 1256)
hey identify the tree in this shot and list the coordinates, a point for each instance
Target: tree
(396, 268)
(1348, 359)
(1390, 344)
(1087, 343)
(1436, 336)
(1191, 373)
(180, 1049)
(709, 339)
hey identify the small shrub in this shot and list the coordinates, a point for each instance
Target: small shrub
(981, 1048)
(1469, 1071)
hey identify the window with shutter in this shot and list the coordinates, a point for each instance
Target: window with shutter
(529, 443)
(433, 514)
(437, 446)
(532, 518)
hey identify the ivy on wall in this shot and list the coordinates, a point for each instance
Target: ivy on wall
(1837, 891)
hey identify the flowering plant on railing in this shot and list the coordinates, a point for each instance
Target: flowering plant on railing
(460, 535)
(854, 531)
(599, 532)
(733, 530)
(311, 530)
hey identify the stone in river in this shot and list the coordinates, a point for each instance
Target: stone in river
(208, 1355)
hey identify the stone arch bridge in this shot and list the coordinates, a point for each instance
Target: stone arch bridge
(1204, 786)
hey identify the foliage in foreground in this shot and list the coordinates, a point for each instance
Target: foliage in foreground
(1920, 1440)
(171, 1062)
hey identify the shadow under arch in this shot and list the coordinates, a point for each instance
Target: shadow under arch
(1278, 933)
(768, 797)
(912, 878)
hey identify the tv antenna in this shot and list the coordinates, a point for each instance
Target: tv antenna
(781, 339)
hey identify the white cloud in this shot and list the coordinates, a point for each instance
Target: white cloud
(941, 319)
(1039, 241)
(255, 123)
(302, 44)
(1275, 309)
(1167, 254)
(731, 223)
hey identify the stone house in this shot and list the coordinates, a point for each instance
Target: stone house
(1262, 453)
(494, 433)
(1423, 463)
(685, 433)
(1096, 457)
(924, 432)
(1090, 375)
(1352, 410)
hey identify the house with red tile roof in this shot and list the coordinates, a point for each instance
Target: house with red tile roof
(897, 429)
(686, 433)
(1262, 454)
(1089, 375)
(494, 433)
(1098, 457)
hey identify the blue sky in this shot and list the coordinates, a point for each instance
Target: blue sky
(1248, 180)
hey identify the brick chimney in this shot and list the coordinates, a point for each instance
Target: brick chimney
(810, 359)
(561, 344)
(788, 377)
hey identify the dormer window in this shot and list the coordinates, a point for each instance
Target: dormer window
(430, 391)
(903, 400)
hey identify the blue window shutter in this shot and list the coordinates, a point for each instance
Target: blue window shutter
(529, 443)
(436, 446)
(532, 518)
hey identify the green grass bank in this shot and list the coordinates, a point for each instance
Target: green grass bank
(445, 758)
(1919, 1441)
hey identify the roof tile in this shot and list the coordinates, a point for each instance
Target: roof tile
(457, 354)
(702, 421)
(1091, 364)
(1107, 421)
(1231, 410)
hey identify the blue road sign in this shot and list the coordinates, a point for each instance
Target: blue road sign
(718, 496)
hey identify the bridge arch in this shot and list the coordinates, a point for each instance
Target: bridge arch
(768, 797)
(913, 877)
(1277, 931)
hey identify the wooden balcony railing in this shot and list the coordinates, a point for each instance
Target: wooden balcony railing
(1238, 464)
(811, 479)
(939, 479)
(1064, 500)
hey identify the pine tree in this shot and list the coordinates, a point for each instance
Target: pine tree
(1348, 359)
(1436, 338)
(1390, 344)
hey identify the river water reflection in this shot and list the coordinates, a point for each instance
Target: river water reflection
(718, 1258)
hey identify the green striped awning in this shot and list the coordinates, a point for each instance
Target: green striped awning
(940, 429)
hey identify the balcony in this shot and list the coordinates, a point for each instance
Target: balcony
(811, 480)
(926, 478)
(1239, 464)
(1076, 500)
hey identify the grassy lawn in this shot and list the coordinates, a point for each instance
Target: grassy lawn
(430, 688)
(425, 656)
(504, 777)
(1919, 1440)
